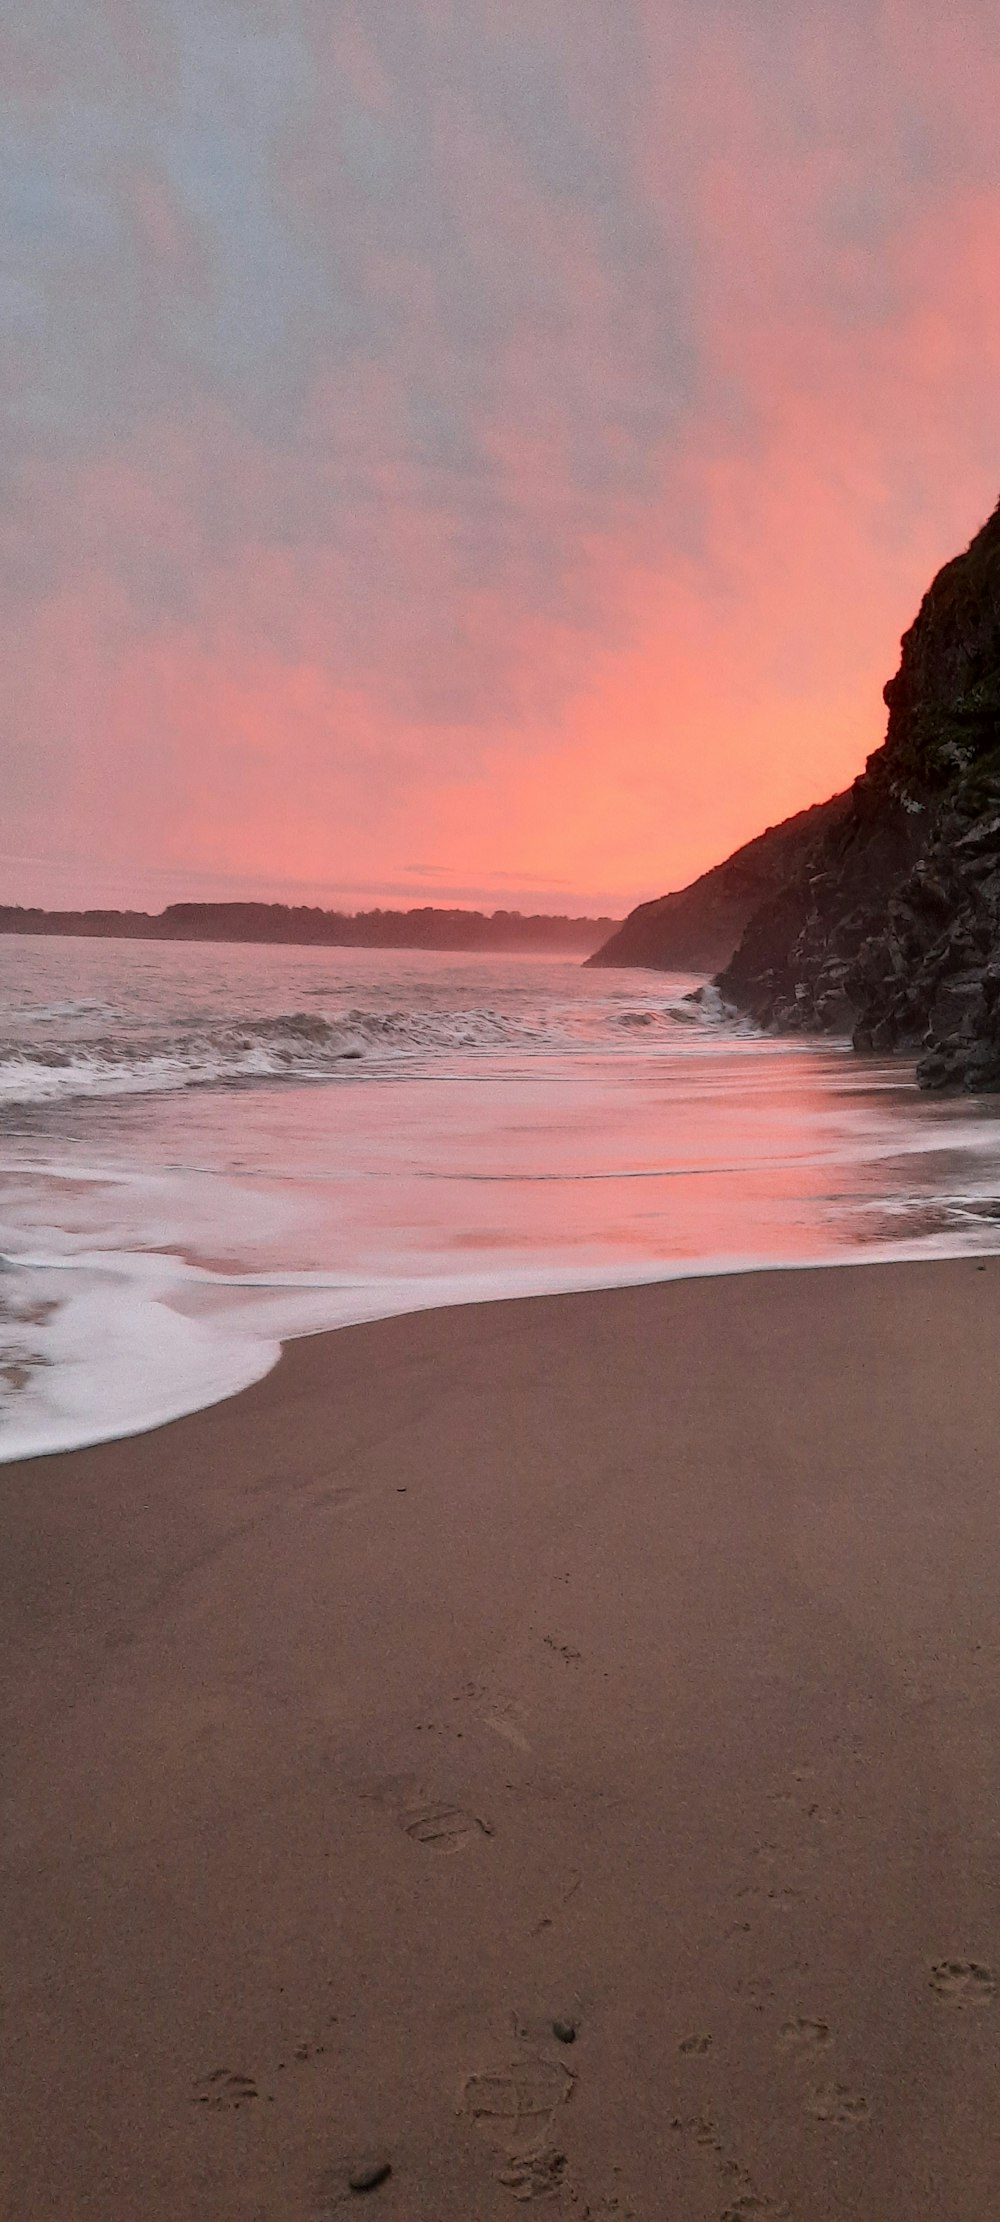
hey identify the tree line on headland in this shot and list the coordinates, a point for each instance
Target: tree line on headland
(425, 928)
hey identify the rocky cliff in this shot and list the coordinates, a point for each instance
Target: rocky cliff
(890, 923)
(697, 928)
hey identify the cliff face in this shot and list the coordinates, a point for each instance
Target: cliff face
(697, 928)
(890, 924)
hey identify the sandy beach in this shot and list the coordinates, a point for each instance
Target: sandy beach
(628, 1661)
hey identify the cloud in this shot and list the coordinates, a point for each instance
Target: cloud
(478, 433)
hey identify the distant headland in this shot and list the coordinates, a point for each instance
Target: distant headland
(427, 928)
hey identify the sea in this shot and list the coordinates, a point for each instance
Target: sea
(208, 1150)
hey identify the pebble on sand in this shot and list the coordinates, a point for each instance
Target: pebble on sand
(369, 2174)
(565, 2031)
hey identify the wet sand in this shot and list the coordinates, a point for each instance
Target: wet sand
(627, 1660)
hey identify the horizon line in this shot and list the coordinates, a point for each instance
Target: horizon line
(323, 910)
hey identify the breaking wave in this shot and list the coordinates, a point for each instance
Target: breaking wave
(173, 1208)
(303, 1046)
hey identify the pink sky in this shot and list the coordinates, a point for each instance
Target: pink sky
(471, 453)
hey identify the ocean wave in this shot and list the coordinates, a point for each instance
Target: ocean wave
(302, 1045)
(298, 1045)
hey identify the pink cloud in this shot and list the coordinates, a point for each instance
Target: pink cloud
(587, 488)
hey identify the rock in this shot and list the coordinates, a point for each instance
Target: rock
(956, 1004)
(697, 928)
(904, 882)
(369, 2174)
(983, 836)
(983, 1079)
(565, 2031)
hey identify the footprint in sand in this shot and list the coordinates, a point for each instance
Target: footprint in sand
(781, 1896)
(802, 2035)
(799, 1800)
(757, 1990)
(514, 2105)
(505, 1721)
(833, 2102)
(744, 2199)
(963, 1982)
(563, 1650)
(224, 2090)
(703, 2129)
(534, 2175)
(441, 1826)
(334, 1499)
(749, 2204)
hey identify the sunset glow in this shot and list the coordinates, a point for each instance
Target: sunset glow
(473, 453)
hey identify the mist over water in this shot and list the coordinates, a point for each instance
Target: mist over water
(210, 1149)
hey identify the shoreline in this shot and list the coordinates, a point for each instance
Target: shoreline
(458, 1293)
(628, 1658)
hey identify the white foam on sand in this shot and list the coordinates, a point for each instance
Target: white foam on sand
(98, 1350)
(111, 1345)
(114, 1345)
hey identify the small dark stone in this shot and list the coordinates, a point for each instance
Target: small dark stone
(369, 2174)
(565, 2031)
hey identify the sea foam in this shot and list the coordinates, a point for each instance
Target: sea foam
(211, 1151)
